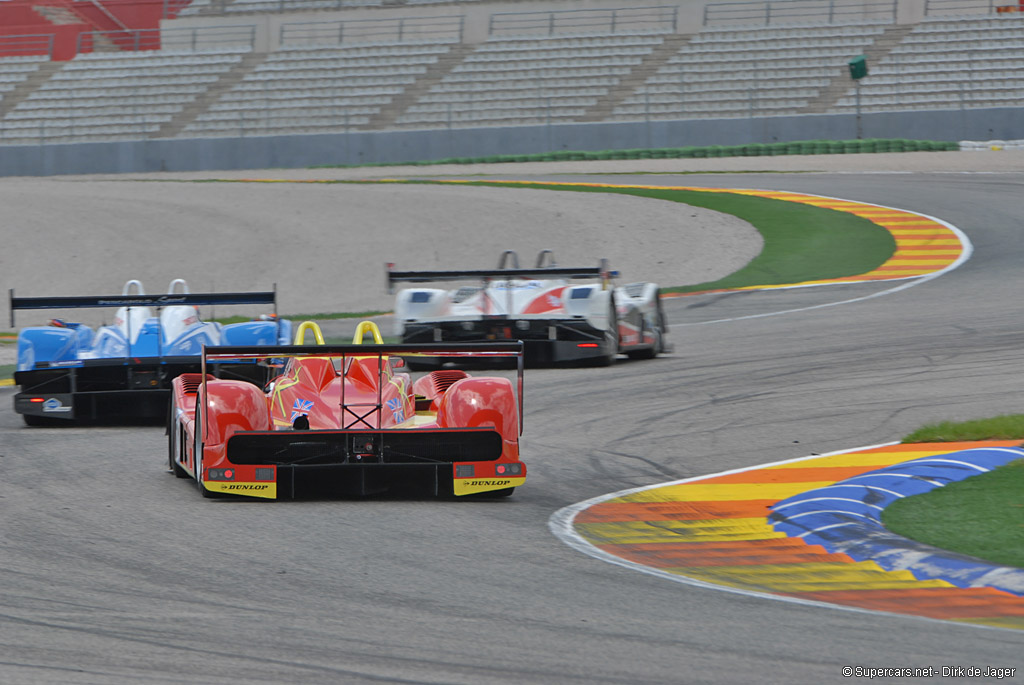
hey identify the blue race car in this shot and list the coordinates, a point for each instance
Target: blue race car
(123, 371)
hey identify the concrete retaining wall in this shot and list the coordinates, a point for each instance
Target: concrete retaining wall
(375, 147)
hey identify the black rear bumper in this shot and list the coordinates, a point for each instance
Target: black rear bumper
(545, 341)
(363, 462)
(355, 480)
(110, 390)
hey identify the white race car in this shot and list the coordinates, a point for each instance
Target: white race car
(554, 310)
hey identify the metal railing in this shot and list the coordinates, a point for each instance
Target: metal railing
(660, 19)
(766, 12)
(173, 8)
(388, 30)
(179, 39)
(963, 8)
(33, 44)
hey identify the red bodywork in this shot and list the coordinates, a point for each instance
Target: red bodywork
(348, 420)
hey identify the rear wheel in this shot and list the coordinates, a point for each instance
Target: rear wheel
(175, 440)
(176, 453)
(32, 420)
(611, 338)
(198, 452)
(648, 352)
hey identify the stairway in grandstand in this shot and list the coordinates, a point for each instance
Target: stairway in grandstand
(947, 63)
(389, 113)
(530, 80)
(56, 14)
(64, 15)
(112, 96)
(21, 77)
(877, 52)
(634, 81)
(320, 88)
(744, 72)
(191, 110)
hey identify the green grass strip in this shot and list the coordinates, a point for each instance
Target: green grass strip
(805, 147)
(801, 242)
(981, 516)
(1004, 427)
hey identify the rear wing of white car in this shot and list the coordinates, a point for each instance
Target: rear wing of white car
(551, 270)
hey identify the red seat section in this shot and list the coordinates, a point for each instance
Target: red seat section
(64, 28)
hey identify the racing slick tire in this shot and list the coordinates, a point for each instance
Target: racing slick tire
(611, 337)
(650, 352)
(40, 421)
(198, 451)
(174, 436)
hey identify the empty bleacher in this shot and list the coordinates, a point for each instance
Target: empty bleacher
(317, 89)
(327, 77)
(529, 80)
(114, 96)
(16, 70)
(947, 63)
(766, 71)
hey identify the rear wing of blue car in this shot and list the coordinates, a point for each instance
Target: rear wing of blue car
(165, 300)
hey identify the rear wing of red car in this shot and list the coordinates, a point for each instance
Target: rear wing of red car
(164, 300)
(447, 351)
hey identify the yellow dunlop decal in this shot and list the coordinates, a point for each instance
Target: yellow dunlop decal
(265, 490)
(468, 486)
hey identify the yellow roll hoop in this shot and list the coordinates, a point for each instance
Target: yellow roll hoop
(300, 334)
(362, 328)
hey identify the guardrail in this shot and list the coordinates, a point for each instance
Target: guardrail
(180, 39)
(389, 30)
(938, 8)
(33, 44)
(659, 19)
(765, 12)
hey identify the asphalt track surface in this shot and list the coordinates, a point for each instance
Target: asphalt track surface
(113, 571)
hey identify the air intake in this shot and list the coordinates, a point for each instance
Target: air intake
(443, 380)
(190, 383)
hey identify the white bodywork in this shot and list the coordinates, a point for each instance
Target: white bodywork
(516, 298)
(559, 313)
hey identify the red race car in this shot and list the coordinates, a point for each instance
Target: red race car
(347, 419)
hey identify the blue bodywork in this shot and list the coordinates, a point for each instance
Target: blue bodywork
(123, 371)
(71, 342)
